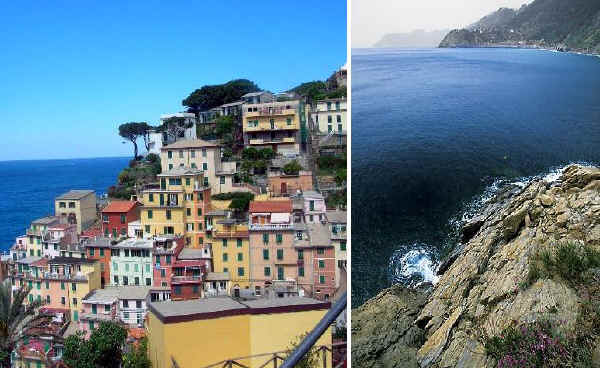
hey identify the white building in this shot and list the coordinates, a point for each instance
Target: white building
(329, 115)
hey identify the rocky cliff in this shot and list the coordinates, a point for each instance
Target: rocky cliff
(558, 24)
(528, 269)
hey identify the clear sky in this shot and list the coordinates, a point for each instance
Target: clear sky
(72, 71)
(371, 19)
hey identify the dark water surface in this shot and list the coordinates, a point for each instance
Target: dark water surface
(28, 188)
(433, 128)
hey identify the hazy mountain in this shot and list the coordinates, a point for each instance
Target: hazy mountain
(417, 38)
(561, 24)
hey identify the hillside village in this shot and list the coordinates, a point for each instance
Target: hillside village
(206, 247)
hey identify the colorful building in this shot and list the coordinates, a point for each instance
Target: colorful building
(179, 330)
(131, 262)
(77, 207)
(200, 155)
(273, 125)
(166, 250)
(272, 253)
(230, 244)
(56, 236)
(117, 216)
(281, 184)
(99, 249)
(176, 206)
(337, 224)
(100, 305)
(329, 115)
(36, 233)
(188, 272)
(314, 207)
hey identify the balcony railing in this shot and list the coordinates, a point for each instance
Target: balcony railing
(231, 234)
(178, 279)
(272, 111)
(271, 226)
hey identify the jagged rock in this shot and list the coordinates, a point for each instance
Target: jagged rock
(471, 228)
(480, 292)
(383, 330)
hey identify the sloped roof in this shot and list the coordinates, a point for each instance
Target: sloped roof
(284, 206)
(119, 206)
(75, 194)
(189, 143)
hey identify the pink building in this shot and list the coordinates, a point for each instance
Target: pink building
(165, 252)
(314, 207)
(99, 305)
(316, 261)
(57, 235)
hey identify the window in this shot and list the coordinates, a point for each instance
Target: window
(222, 179)
(125, 303)
(266, 238)
(329, 119)
(138, 304)
(177, 290)
(170, 154)
(279, 254)
(321, 279)
(62, 285)
(149, 214)
(224, 257)
(125, 280)
(288, 121)
(328, 105)
(62, 300)
(267, 271)
(199, 211)
(205, 181)
(71, 204)
(170, 166)
(94, 309)
(91, 325)
(116, 280)
(188, 211)
(240, 256)
(151, 197)
(193, 154)
(342, 245)
(301, 271)
(136, 280)
(125, 315)
(180, 154)
(48, 299)
(204, 166)
(338, 118)
(91, 252)
(136, 267)
(300, 254)
(107, 307)
(240, 271)
(101, 252)
(311, 218)
(187, 181)
(193, 165)
(47, 285)
(115, 266)
(279, 238)
(74, 286)
(168, 214)
(74, 301)
(62, 204)
(147, 267)
(224, 243)
(321, 263)
(126, 267)
(311, 205)
(163, 272)
(280, 274)
(168, 259)
(203, 152)
(266, 254)
(225, 269)
(320, 250)
(239, 242)
(123, 218)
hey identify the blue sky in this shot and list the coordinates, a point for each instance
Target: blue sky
(72, 71)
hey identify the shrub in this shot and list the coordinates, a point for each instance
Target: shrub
(569, 261)
(266, 153)
(152, 158)
(250, 153)
(292, 168)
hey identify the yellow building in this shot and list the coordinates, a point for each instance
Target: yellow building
(176, 206)
(230, 245)
(77, 207)
(273, 125)
(201, 332)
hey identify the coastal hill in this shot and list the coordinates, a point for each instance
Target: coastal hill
(417, 38)
(557, 24)
(524, 286)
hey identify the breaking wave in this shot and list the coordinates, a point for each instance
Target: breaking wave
(415, 267)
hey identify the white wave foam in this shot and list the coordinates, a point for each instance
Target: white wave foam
(414, 267)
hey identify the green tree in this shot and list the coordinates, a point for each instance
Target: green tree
(137, 357)
(340, 176)
(103, 349)
(310, 359)
(132, 131)
(17, 320)
(266, 153)
(241, 201)
(292, 168)
(314, 90)
(250, 153)
(224, 125)
(210, 96)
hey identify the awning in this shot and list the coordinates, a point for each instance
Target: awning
(280, 218)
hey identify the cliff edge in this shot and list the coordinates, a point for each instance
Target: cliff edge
(527, 278)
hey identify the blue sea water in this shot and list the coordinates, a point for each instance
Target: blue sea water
(433, 129)
(28, 188)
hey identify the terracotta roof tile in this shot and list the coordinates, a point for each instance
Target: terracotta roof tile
(119, 206)
(271, 206)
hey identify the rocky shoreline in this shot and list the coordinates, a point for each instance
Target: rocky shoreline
(486, 285)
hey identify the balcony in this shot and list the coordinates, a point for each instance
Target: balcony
(271, 226)
(273, 141)
(271, 111)
(231, 234)
(186, 279)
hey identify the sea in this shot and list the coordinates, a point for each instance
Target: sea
(435, 132)
(28, 188)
